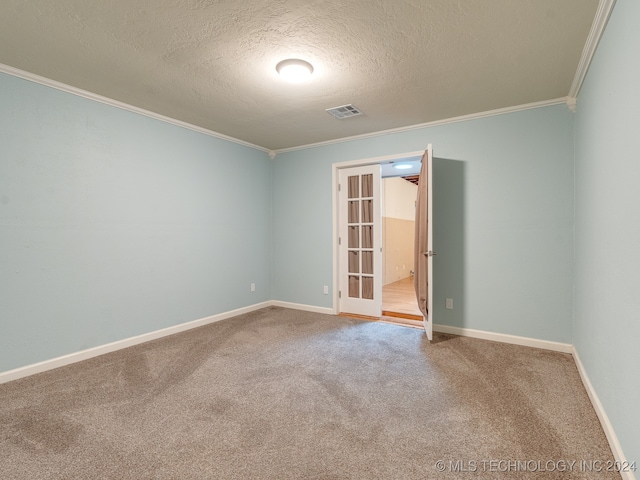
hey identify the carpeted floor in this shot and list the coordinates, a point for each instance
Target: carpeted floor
(284, 394)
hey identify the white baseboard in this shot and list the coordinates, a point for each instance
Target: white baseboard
(465, 332)
(120, 344)
(602, 416)
(504, 338)
(612, 438)
(300, 306)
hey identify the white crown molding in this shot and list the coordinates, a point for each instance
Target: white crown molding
(612, 438)
(32, 77)
(462, 118)
(47, 82)
(595, 34)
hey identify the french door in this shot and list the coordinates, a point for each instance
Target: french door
(360, 241)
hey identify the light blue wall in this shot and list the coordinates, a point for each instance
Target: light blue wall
(503, 220)
(607, 224)
(113, 224)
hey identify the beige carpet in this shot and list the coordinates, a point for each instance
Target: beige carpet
(284, 394)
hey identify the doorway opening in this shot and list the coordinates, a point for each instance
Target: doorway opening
(396, 229)
(399, 192)
(357, 233)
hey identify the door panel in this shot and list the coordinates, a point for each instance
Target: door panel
(424, 242)
(360, 243)
(428, 321)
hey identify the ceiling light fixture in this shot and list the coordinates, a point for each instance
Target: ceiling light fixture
(402, 166)
(294, 70)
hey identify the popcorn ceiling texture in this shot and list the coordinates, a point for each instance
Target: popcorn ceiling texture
(212, 63)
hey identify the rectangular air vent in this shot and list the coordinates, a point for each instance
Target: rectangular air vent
(345, 111)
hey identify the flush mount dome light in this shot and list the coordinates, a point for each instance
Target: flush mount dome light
(294, 70)
(401, 166)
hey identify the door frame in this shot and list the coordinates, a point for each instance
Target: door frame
(335, 167)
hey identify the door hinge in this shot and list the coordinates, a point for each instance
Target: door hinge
(339, 241)
(339, 187)
(339, 294)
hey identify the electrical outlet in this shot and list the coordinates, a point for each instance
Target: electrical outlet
(325, 290)
(253, 287)
(449, 303)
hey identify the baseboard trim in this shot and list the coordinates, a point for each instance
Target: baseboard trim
(609, 432)
(504, 338)
(46, 365)
(300, 306)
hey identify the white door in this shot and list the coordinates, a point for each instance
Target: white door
(360, 241)
(428, 320)
(424, 242)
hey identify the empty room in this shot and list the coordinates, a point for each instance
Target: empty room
(196, 231)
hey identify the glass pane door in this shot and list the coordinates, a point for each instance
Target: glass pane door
(362, 238)
(360, 248)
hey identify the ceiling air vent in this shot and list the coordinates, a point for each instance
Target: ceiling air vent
(345, 111)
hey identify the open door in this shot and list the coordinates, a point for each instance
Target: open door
(360, 241)
(423, 279)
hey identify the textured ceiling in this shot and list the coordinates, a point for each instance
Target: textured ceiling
(211, 63)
